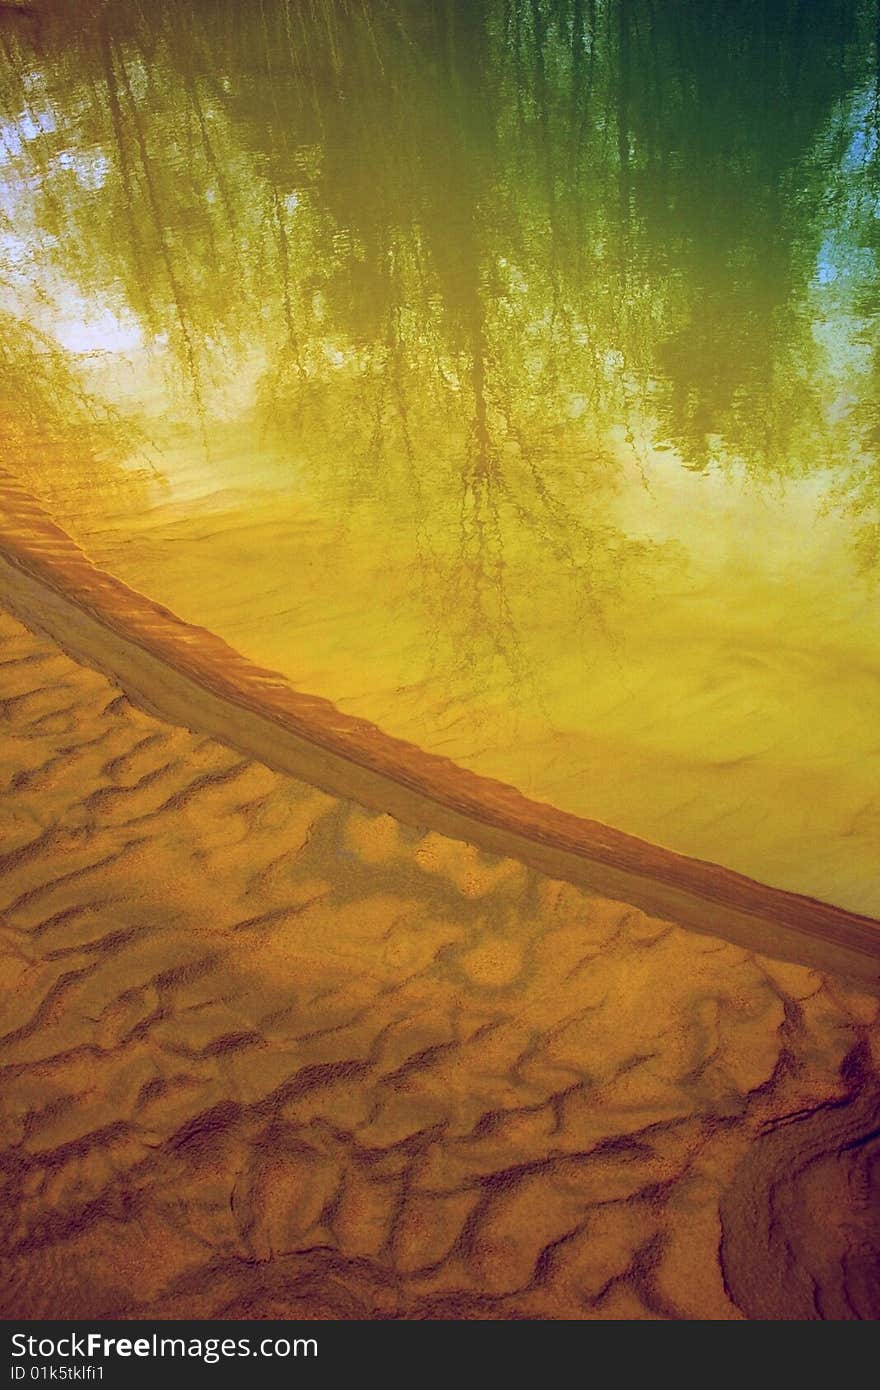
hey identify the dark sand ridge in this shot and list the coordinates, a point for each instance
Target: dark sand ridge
(190, 676)
(264, 1053)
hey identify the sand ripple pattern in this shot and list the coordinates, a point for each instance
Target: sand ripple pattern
(266, 1053)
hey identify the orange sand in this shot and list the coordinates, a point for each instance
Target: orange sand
(266, 1053)
(187, 674)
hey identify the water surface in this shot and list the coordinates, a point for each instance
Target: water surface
(504, 370)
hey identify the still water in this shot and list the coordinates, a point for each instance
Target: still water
(505, 371)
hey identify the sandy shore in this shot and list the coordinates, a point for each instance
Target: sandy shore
(268, 1053)
(188, 675)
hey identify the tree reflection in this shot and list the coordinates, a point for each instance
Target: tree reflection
(468, 240)
(50, 422)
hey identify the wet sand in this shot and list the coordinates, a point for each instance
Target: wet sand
(266, 1053)
(189, 675)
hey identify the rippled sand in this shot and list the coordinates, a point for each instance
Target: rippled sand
(266, 1053)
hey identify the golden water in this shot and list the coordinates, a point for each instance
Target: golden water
(506, 373)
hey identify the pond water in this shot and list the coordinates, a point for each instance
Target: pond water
(505, 371)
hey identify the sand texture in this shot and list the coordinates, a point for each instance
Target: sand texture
(267, 1053)
(187, 674)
